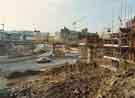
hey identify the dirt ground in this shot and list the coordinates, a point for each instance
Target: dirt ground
(78, 81)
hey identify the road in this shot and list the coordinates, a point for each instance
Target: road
(31, 64)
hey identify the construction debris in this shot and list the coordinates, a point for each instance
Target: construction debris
(18, 74)
(79, 81)
(123, 86)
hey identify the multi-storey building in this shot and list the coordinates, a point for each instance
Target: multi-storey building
(121, 46)
(13, 42)
(111, 49)
(68, 36)
(20, 35)
(91, 47)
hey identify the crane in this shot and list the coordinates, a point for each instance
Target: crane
(76, 22)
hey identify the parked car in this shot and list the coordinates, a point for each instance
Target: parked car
(43, 60)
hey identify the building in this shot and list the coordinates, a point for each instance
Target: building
(131, 38)
(20, 35)
(111, 49)
(90, 47)
(3, 46)
(17, 35)
(3, 35)
(41, 37)
(121, 45)
(93, 39)
(16, 43)
(68, 36)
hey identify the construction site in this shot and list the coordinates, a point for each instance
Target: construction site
(106, 69)
(71, 63)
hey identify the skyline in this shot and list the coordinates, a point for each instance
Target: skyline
(51, 15)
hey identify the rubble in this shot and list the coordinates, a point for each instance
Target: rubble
(69, 81)
(79, 81)
(123, 86)
(18, 74)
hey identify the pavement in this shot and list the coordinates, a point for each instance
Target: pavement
(33, 65)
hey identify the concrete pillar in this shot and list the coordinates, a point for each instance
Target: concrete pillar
(134, 55)
(130, 54)
(89, 55)
(83, 53)
(94, 53)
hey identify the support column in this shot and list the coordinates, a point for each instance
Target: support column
(83, 53)
(89, 55)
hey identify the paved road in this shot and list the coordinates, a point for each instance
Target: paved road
(31, 64)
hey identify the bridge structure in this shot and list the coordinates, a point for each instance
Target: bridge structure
(18, 42)
(8, 47)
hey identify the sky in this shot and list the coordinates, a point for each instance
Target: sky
(52, 15)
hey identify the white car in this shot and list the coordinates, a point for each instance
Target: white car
(43, 60)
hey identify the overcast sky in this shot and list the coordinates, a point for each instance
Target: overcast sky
(51, 15)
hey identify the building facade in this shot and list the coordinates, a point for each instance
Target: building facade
(90, 47)
(20, 35)
(68, 36)
(3, 35)
(16, 43)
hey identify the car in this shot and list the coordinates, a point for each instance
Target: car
(43, 60)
